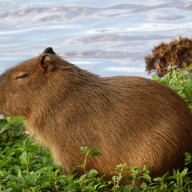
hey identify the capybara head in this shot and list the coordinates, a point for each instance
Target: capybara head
(133, 120)
(23, 86)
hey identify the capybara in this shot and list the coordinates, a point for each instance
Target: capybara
(134, 120)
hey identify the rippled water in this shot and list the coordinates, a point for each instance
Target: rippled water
(106, 37)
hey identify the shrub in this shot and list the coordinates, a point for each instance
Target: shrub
(177, 53)
(180, 81)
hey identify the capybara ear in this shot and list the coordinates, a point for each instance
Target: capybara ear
(46, 63)
(49, 50)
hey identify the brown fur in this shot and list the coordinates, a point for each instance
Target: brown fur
(133, 120)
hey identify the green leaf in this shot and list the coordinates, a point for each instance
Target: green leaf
(94, 154)
(5, 128)
(92, 173)
(23, 158)
(8, 190)
(26, 190)
(164, 176)
(147, 177)
(4, 163)
(27, 142)
(45, 185)
(169, 68)
(30, 178)
(157, 179)
(190, 67)
(88, 188)
(114, 178)
(184, 172)
(19, 120)
(85, 150)
(19, 173)
(32, 148)
(94, 147)
(155, 77)
(187, 179)
(3, 122)
(119, 167)
(143, 185)
(187, 155)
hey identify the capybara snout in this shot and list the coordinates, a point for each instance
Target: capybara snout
(134, 120)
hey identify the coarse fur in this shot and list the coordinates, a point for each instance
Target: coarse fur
(133, 120)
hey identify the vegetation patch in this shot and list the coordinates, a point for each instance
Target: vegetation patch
(177, 53)
(180, 81)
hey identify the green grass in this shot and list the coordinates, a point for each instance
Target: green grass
(26, 166)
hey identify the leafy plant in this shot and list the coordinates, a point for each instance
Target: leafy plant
(25, 165)
(180, 81)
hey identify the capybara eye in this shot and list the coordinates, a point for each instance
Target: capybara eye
(21, 77)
